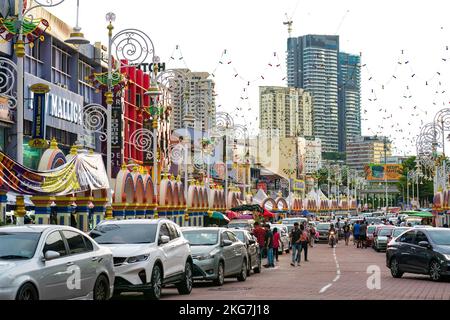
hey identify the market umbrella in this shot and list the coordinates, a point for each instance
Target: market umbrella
(219, 216)
(232, 215)
(268, 214)
(246, 216)
(421, 214)
(248, 207)
(306, 213)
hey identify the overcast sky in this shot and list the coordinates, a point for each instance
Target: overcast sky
(253, 35)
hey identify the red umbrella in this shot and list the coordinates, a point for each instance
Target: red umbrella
(232, 215)
(268, 214)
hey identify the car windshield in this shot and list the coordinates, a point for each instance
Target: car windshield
(398, 232)
(238, 225)
(124, 233)
(18, 245)
(385, 232)
(239, 235)
(440, 237)
(202, 237)
(323, 226)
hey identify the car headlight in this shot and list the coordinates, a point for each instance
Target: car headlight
(210, 255)
(136, 259)
(447, 256)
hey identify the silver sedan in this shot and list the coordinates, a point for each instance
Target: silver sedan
(53, 263)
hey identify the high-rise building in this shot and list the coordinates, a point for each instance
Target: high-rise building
(349, 81)
(310, 152)
(285, 112)
(312, 64)
(367, 149)
(194, 98)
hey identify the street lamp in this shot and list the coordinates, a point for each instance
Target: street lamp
(77, 37)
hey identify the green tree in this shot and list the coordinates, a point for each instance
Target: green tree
(426, 191)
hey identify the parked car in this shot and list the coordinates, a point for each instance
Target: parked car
(293, 220)
(398, 231)
(148, 254)
(247, 224)
(217, 254)
(370, 234)
(382, 238)
(284, 245)
(421, 251)
(322, 229)
(38, 262)
(253, 251)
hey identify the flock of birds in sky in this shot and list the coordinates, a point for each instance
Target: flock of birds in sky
(379, 113)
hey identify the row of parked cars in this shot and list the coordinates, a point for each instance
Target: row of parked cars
(419, 249)
(59, 262)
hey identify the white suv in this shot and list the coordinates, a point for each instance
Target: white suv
(148, 254)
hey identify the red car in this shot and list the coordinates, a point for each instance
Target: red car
(369, 236)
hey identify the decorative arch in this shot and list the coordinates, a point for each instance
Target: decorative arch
(175, 194)
(166, 193)
(52, 159)
(271, 201)
(182, 200)
(205, 198)
(283, 202)
(124, 188)
(149, 192)
(139, 188)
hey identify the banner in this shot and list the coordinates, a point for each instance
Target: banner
(382, 172)
(85, 172)
(38, 125)
(299, 185)
(116, 134)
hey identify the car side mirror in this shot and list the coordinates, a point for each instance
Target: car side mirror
(164, 239)
(51, 255)
(251, 241)
(424, 244)
(227, 243)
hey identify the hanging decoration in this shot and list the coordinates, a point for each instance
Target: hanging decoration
(32, 29)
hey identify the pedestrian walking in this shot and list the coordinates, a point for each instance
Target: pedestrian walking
(276, 243)
(363, 234)
(269, 247)
(304, 241)
(346, 233)
(296, 245)
(356, 234)
(260, 234)
(312, 236)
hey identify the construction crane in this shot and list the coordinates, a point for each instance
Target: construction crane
(288, 23)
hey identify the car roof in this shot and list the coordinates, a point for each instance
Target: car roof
(135, 221)
(203, 228)
(33, 228)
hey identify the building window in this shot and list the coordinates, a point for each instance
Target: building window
(84, 88)
(60, 66)
(33, 62)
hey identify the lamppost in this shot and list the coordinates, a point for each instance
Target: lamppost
(224, 122)
(24, 29)
(289, 172)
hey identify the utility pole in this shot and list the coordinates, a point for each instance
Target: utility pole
(385, 171)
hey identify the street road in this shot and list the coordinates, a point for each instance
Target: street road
(340, 273)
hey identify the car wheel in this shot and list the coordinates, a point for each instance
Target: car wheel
(249, 268)
(395, 269)
(220, 275)
(243, 274)
(435, 271)
(154, 293)
(27, 292)
(101, 289)
(185, 286)
(257, 269)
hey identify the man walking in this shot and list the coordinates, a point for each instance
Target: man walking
(346, 233)
(296, 245)
(363, 234)
(269, 247)
(356, 234)
(304, 241)
(260, 234)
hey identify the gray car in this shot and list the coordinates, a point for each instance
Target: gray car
(53, 263)
(217, 254)
(253, 251)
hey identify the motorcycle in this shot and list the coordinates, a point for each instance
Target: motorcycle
(332, 239)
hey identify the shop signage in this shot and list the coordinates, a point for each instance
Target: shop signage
(5, 113)
(62, 108)
(148, 67)
(38, 125)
